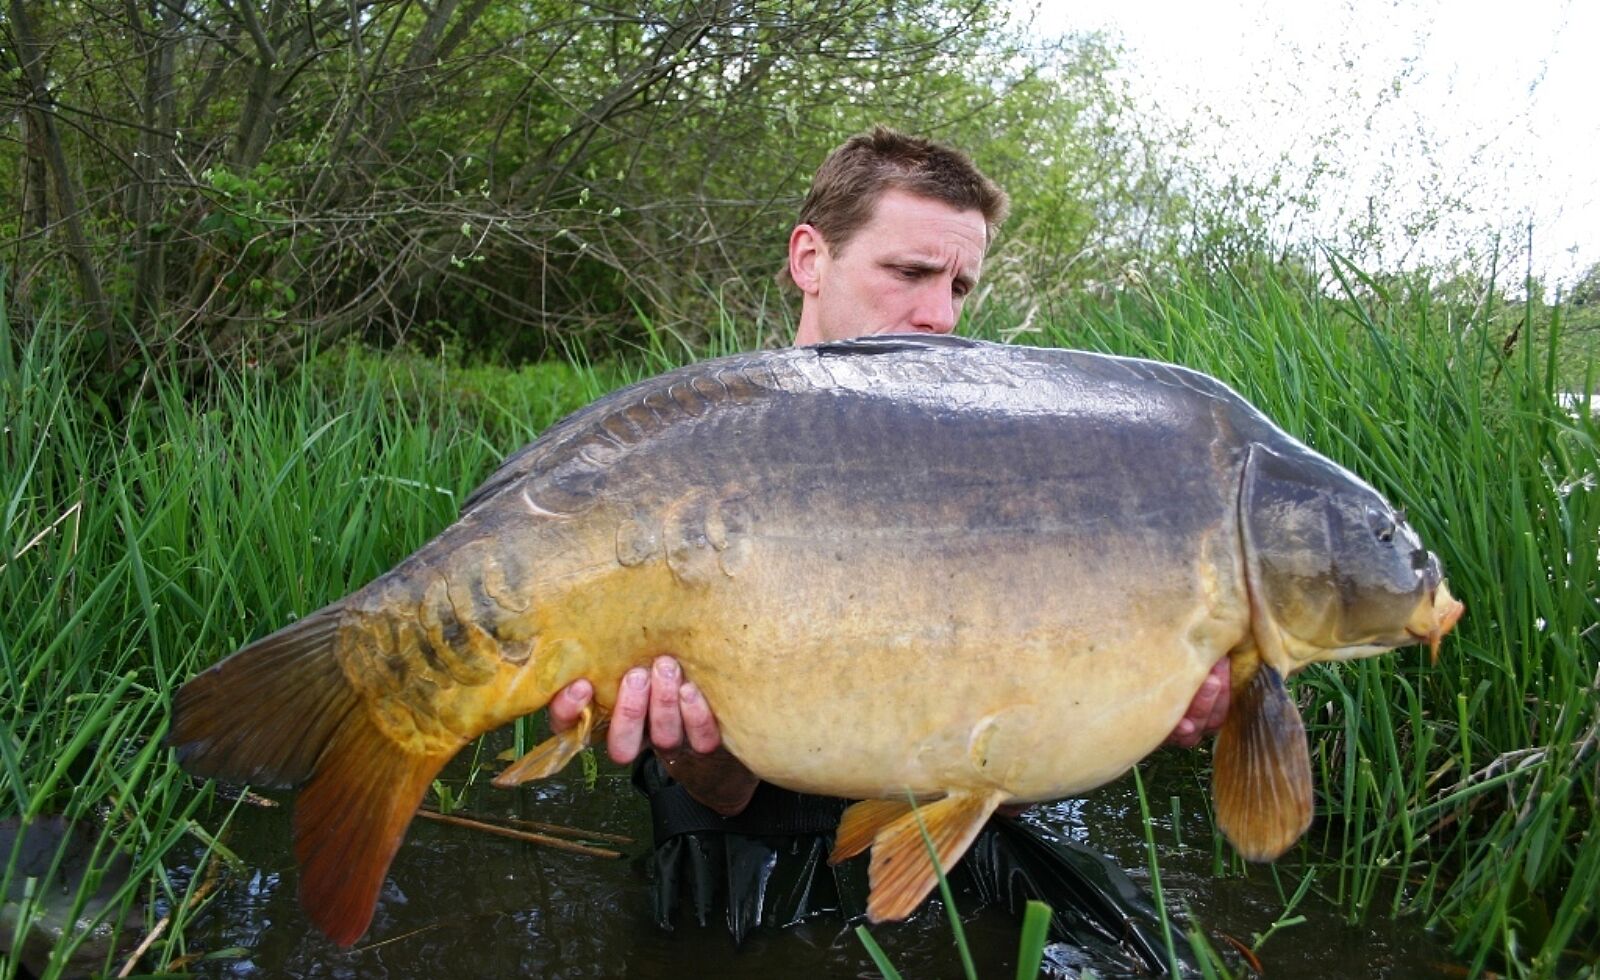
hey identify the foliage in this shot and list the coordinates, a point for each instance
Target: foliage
(237, 181)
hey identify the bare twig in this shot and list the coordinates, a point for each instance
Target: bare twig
(578, 832)
(195, 898)
(522, 835)
(69, 512)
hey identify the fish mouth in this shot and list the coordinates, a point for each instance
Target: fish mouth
(1436, 618)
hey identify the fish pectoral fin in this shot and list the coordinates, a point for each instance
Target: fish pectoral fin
(902, 871)
(1261, 770)
(861, 822)
(552, 755)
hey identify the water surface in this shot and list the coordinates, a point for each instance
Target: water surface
(461, 902)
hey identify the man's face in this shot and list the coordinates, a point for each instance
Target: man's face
(907, 270)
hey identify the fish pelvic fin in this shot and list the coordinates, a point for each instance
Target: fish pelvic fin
(1261, 769)
(264, 715)
(552, 755)
(902, 872)
(860, 823)
(349, 821)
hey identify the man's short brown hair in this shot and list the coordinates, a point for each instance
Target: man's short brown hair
(850, 181)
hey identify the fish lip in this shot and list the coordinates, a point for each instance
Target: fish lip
(1445, 610)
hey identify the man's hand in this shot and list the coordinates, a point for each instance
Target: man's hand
(657, 700)
(1206, 711)
(681, 729)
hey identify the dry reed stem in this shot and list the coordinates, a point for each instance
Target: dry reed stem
(522, 835)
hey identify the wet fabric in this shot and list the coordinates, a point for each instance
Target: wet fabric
(769, 867)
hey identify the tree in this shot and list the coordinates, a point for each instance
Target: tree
(257, 175)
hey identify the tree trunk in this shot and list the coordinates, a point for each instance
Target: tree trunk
(155, 163)
(35, 175)
(40, 104)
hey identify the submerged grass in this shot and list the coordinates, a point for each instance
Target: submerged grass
(139, 546)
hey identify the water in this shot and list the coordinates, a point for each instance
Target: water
(461, 902)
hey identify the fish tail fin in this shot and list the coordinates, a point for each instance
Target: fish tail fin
(349, 821)
(265, 714)
(281, 713)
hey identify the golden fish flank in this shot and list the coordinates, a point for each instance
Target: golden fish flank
(976, 573)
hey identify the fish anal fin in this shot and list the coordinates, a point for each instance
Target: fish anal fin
(552, 755)
(860, 823)
(902, 872)
(1261, 769)
(349, 821)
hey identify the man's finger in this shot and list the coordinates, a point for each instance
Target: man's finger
(568, 704)
(1185, 736)
(1219, 708)
(666, 724)
(1206, 711)
(626, 734)
(699, 724)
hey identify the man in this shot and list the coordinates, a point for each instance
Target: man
(891, 239)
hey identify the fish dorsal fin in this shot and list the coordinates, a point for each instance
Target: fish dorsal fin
(902, 873)
(861, 823)
(892, 343)
(1261, 769)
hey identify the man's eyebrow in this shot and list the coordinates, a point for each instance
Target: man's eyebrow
(919, 265)
(928, 266)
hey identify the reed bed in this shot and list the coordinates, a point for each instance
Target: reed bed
(140, 545)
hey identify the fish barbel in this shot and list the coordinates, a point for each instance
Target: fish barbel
(969, 573)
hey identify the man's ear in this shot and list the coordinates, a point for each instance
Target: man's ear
(808, 256)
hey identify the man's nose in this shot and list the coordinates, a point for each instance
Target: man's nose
(936, 309)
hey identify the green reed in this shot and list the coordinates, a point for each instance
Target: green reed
(137, 548)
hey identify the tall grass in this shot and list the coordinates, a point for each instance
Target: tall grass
(138, 547)
(136, 550)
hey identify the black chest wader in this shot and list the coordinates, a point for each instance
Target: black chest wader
(769, 866)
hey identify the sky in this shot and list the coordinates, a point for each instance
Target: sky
(1492, 105)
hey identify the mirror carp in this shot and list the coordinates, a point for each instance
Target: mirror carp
(899, 567)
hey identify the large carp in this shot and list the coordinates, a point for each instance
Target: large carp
(971, 573)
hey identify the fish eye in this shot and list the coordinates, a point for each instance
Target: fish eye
(1383, 528)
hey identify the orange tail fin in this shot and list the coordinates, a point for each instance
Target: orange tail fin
(280, 713)
(349, 821)
(265, 714)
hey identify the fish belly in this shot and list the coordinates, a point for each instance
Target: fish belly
(929, 670)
